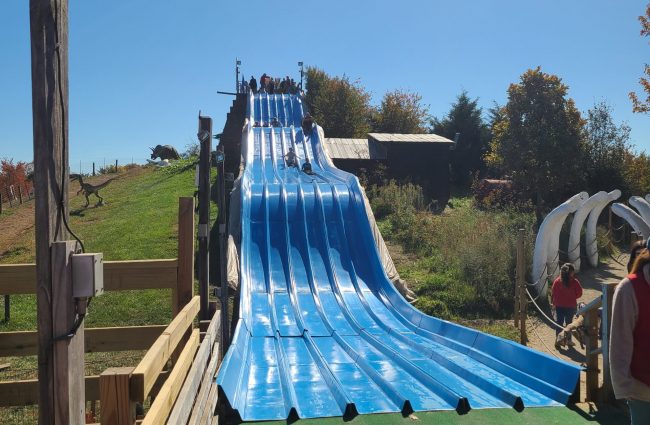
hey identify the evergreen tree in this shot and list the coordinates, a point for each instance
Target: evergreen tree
(465, 117)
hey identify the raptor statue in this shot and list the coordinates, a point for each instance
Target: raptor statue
(88, 189)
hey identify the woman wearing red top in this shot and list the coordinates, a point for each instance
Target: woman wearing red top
(565, 293)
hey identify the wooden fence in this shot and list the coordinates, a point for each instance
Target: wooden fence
(194, 354)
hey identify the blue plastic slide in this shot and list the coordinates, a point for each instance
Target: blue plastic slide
(322, 332)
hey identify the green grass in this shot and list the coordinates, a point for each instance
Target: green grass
(530, 416)
(138, 221)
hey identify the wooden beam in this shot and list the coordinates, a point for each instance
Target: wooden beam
(117, 408)
(25, 392)
(98, 340)
(184, 291)
(144, 375)
(162, 405)
(49, 54)
(607, 394)
(591, 345)
(68, 377)
(118, 276)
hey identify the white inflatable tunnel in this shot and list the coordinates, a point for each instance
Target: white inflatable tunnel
(591, 242)
(642, 206)
(548, 240)
(573, 249)
(635, 220)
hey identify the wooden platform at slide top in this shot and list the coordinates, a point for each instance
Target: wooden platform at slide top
(580, 414)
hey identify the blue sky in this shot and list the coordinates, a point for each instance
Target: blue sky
(140, 71)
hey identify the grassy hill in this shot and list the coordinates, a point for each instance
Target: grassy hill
(138, 221)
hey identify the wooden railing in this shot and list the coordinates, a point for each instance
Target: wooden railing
(193, 353)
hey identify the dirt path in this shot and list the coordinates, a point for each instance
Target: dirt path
(541, 335)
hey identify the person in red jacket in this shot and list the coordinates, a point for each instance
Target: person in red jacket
(629, 340)
(564, 296)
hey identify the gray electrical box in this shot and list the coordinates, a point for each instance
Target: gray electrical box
(87, 275)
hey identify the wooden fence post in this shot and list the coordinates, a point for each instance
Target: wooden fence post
(607, 394)
(93, 168)
(205, 137)
(0, 202)
(116, 165)
(184, 291)
(591, 351)
(20, 194)
(521, 283)
(115, 398)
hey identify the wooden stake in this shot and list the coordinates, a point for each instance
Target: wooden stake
(20, 194)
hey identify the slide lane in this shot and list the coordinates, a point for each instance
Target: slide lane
(322, 332)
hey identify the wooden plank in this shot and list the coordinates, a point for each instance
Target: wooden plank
(25, 392)
(117, 408)
(118, 276)
(184, 291)
(25, 343)
(202, 402)
(144, 375)
(186, 399)
(164, 402)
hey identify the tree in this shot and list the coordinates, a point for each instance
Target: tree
(464, 117)
(539, 139)
(643, 106)
(401, 112)
(606, 147)
(13, 175)
(340, 106)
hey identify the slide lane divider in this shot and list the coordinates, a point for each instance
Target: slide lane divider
(459, 402)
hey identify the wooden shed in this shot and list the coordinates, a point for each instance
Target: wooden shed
(420, 158)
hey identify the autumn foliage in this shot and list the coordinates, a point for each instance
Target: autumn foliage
(643, 105)
(13, 175)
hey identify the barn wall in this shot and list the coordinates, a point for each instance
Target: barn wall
(419, 163)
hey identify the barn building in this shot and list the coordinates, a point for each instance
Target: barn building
(420, 158)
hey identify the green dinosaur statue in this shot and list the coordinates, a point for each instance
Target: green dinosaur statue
(88, 189)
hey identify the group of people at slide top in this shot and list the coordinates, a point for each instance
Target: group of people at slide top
(629, 338)
(270, 85)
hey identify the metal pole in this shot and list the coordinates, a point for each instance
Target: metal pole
(205, 138)
(301, 65)
(237, 63)
(521, 282)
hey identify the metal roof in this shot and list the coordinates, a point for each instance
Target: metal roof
(409, 138)
(339, 148)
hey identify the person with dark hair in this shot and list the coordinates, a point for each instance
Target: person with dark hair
(253, 84)
(263, 82)
(292, 158)
(565, 292)
(307, 124)
(635, 250)
(629, 340)
(306, 167)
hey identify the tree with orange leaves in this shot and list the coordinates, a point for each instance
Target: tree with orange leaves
(643, 106)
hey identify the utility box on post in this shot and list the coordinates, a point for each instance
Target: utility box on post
(87, 275)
